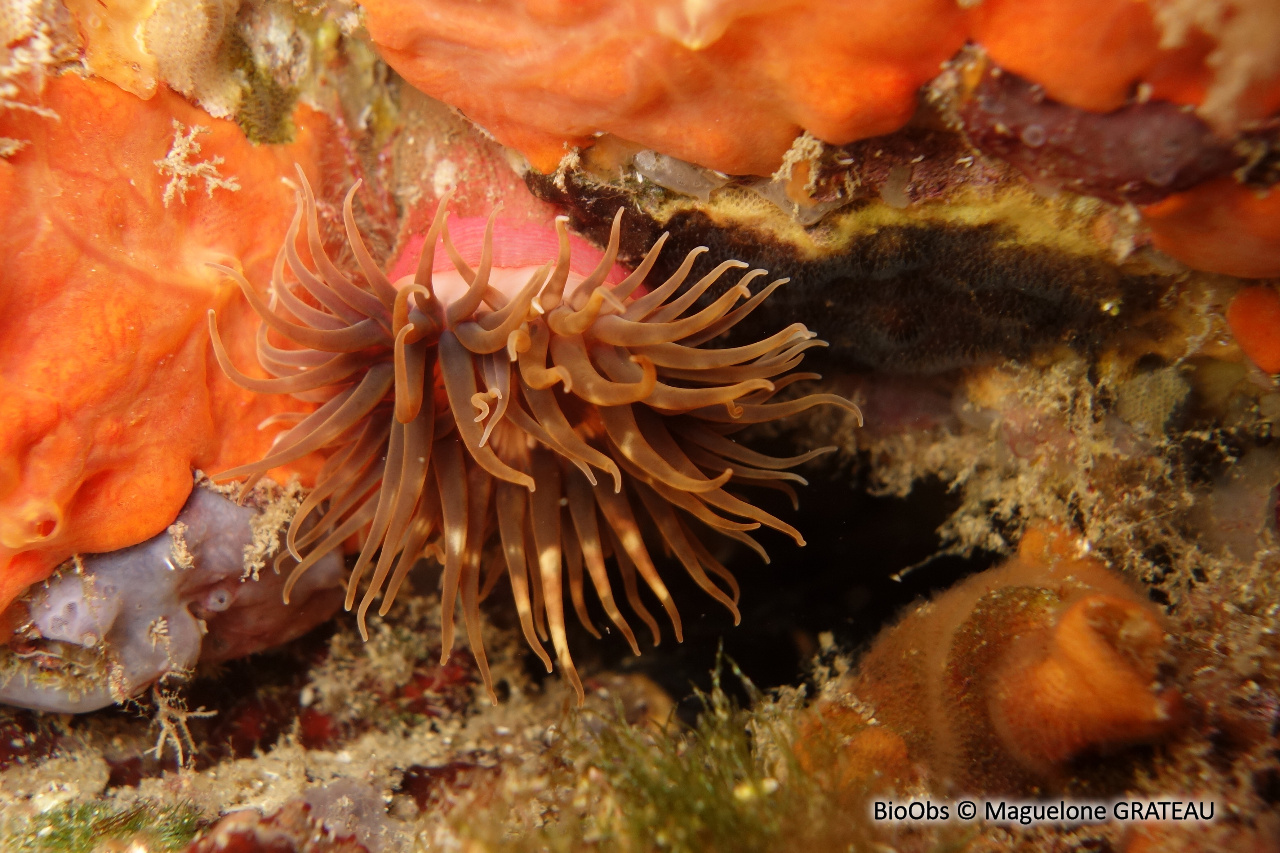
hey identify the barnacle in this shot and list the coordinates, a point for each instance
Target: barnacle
(443, 421)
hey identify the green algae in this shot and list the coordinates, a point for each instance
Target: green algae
(731, 782)
(703, 790)
(83, 827)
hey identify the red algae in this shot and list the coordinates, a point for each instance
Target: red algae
(107, 401)
(1140, 153)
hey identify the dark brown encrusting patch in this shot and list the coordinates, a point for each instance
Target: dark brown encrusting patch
(430, 786)
(1140, 153)
(911, 299)
(25, 737)
(918, 163)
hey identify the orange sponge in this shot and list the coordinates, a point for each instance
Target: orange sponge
(110, 214)
(1254, 317)
(725, 85)
(1087, 53)
(1220, 226)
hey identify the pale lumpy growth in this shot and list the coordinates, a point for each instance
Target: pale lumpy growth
(452, 286)
(574, 427)
(521, 251)
(104, 629)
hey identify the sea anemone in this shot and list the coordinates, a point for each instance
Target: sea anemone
(442, 420)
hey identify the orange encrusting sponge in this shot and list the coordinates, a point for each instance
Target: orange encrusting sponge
(1254, 318)
(728, 86)
(108, 392)
(731, 85)
(1220, 226)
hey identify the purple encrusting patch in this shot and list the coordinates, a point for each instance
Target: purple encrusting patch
(1140, 153)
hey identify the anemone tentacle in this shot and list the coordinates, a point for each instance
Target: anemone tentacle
(504, 455)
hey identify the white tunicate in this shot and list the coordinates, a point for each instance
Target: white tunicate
(67, 611)
(1163, 172)
(809, 214)
(1241, 505)
(896, 189)
(1033, 135)
(351, 807)
(218, 600)
(677, 175)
